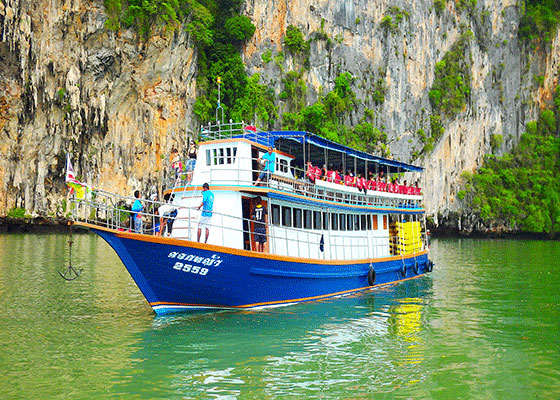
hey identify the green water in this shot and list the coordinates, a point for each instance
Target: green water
(484, 325)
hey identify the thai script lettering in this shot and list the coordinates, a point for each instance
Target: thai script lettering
(212, 261)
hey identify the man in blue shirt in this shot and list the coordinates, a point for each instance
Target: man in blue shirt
(137, 208)
(269, 160)
(206, 216)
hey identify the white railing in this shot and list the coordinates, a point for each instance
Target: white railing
(321, 189)
(112, 211)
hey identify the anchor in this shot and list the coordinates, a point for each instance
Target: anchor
(70, 273)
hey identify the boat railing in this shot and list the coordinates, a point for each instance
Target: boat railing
(293, 181)
(108, 210)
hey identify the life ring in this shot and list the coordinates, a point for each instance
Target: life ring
(416, 268)
(371, 277)
(403, 270)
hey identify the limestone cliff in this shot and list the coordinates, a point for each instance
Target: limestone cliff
(119, 105)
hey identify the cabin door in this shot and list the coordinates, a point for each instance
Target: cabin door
(249, 225)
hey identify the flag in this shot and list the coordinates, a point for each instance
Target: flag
(251, 128)
(73, 184)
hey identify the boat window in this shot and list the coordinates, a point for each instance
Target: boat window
(317, 220)
(275, 214)
(234, 155)
(221, 156)
(384, 222)
(307, 221)
(334, 222)
(368, 219)
(228, 155)
(350, 222)
(325, 221)
(297, 218)
(282, 165)
(342, 221)
(356, 222)
(208, 159)
(286, 216)
(374, 217)
(214, 156)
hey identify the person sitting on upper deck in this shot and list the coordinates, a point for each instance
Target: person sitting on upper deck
(310, 172)
(191, 161)
(361, 183)
(330, 175)
(269, 160)
(349, 179)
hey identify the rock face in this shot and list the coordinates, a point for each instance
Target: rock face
(119, 105)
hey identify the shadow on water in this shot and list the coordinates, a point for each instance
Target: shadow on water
(300, 349)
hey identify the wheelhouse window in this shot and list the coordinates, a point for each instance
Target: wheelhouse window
(275, 209)
(281, 165)
(334, 222)
(286, 216)
(221, 156)
(374, 218)
(317, 220)
(307, 219)
(325, 221)
(350, 222)
(298, 223)
(342, 222)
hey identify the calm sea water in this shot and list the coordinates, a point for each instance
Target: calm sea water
(484, 325)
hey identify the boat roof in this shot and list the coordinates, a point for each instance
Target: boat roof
(317, 146)
(306, 146)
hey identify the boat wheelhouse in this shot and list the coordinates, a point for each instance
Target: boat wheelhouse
(326, 235)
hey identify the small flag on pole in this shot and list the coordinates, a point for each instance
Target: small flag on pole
(251, 128)
(73, 184)
(219, 79)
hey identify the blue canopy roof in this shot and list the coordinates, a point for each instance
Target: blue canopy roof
(272, 138)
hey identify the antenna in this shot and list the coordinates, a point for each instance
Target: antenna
(219, 107)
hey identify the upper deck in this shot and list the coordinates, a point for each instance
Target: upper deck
(228, 157)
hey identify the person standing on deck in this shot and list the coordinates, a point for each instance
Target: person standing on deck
(259, 215)
(206, 216)
(269, 166)
(137, 208)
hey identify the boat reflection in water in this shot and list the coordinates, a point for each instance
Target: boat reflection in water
(362, 338)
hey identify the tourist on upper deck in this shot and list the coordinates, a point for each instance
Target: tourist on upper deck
(137, 208)
(207, 206)
(310, 172)
(176, 164)
(191, 161)
(269, 160)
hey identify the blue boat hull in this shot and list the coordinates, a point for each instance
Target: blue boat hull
(177, 275)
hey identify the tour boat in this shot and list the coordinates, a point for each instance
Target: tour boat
(327, 233)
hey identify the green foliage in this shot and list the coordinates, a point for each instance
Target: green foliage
(294, 40)
(240, 28)
(439, 6)
(379, 91)
(521, 189)
(266, 57)
(18, 213)
(451, 88)
(390, 22)
(539, 20)
(496, 141)
(452, 82)
(257, 104)
(327, 116)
